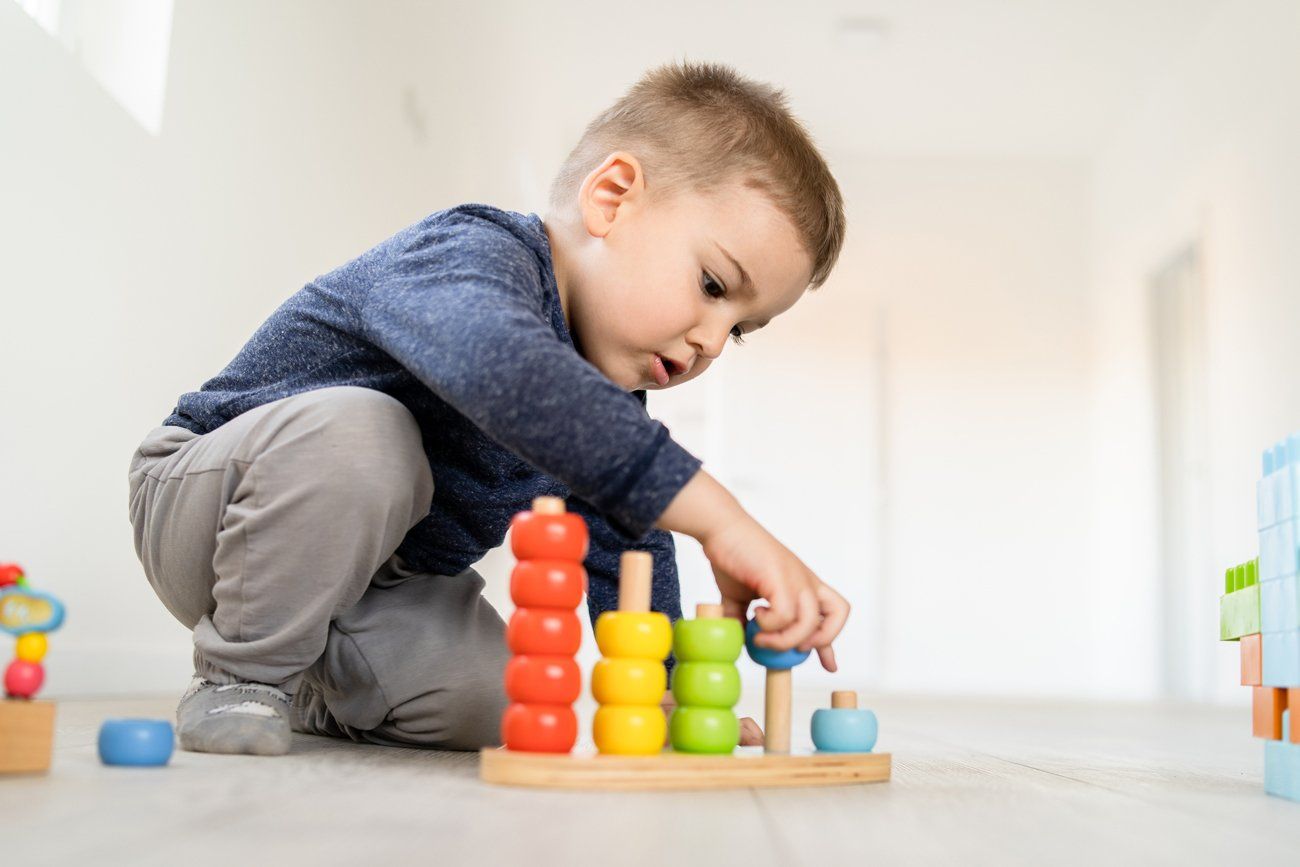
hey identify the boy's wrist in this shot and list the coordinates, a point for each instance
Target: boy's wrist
(701, 508)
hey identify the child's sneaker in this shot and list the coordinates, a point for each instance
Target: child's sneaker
(246, 718)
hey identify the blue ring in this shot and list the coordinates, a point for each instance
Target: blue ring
(135, 742)
(768, 658)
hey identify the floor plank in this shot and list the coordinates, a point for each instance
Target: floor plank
(974, 783)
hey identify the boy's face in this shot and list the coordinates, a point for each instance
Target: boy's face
(653, 292)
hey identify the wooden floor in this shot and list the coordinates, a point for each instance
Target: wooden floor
(974, 783)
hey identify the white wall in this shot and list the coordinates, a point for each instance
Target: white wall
(953, 340)
(979, 269)
(1209, 152)
(136, 266)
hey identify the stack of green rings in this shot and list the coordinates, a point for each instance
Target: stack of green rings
(706, 684)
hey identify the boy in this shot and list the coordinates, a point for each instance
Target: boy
(313, 511)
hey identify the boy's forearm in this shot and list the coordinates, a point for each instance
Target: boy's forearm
(702, 506)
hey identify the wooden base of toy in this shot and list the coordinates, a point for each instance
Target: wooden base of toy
(26, 736)
(748, 766)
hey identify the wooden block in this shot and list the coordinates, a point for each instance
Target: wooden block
(26, 736)
(1267, 704)
(747, 767)
(1252, 660)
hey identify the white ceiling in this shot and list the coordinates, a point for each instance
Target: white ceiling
(1014, 77)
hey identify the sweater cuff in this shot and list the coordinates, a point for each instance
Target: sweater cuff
(650, 484)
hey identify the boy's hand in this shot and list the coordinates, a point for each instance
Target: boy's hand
(801, 611)
(749, 563)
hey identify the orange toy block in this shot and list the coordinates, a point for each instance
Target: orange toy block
(1266, 705)
(1252, 660)
(1293, 702)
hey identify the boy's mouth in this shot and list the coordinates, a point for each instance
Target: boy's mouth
(660, 369)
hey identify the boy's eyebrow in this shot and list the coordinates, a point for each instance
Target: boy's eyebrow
(746, 285)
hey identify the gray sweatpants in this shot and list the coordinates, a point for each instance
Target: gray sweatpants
(272, 538)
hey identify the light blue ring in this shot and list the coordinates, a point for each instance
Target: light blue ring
(844, 730)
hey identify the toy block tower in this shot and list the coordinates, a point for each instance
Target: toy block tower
(630, 681)
(542, 679)
(26, 726)
(1260, 609)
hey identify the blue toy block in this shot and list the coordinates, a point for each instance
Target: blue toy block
(1281, 652)
(1279, 604)
(1277, 551)
(136, 742)
(1282, 765)
(1275, 497)
(1278, 494)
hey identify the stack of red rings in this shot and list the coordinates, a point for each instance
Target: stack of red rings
(547, 585)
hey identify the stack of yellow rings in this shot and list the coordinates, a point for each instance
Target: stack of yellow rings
(629, 683)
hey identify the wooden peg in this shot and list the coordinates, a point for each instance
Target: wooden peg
(548, 506)
(708, 611)
(634, 571)
(776, 710)
(844, 698)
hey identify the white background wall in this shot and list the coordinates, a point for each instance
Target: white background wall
(955, 430)
(1207, 152)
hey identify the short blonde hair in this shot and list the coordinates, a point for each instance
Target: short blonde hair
(700, 125)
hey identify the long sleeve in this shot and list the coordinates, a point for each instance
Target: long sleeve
(602, 561)
(462, 306)
(607, 547)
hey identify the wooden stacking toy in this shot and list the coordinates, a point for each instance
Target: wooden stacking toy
(630, 681)
(26, 726)
(628, 684)
(843, 727)
(706, 684)
(547, 584)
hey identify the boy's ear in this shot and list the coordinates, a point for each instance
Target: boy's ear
(616, 182)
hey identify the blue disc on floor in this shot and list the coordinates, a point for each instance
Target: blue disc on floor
(135, 742)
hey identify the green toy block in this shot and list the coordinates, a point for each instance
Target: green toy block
(1239, 613)
(1241, 576)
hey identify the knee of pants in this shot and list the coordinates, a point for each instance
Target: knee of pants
(369, 441)
(419, 662)
(462, 713)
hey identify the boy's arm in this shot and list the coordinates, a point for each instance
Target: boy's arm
(461, 308)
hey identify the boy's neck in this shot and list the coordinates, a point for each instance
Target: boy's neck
(557, 237)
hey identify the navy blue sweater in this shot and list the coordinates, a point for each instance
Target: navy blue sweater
(459, 318)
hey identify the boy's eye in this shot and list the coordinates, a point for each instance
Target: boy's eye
(713, 288)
